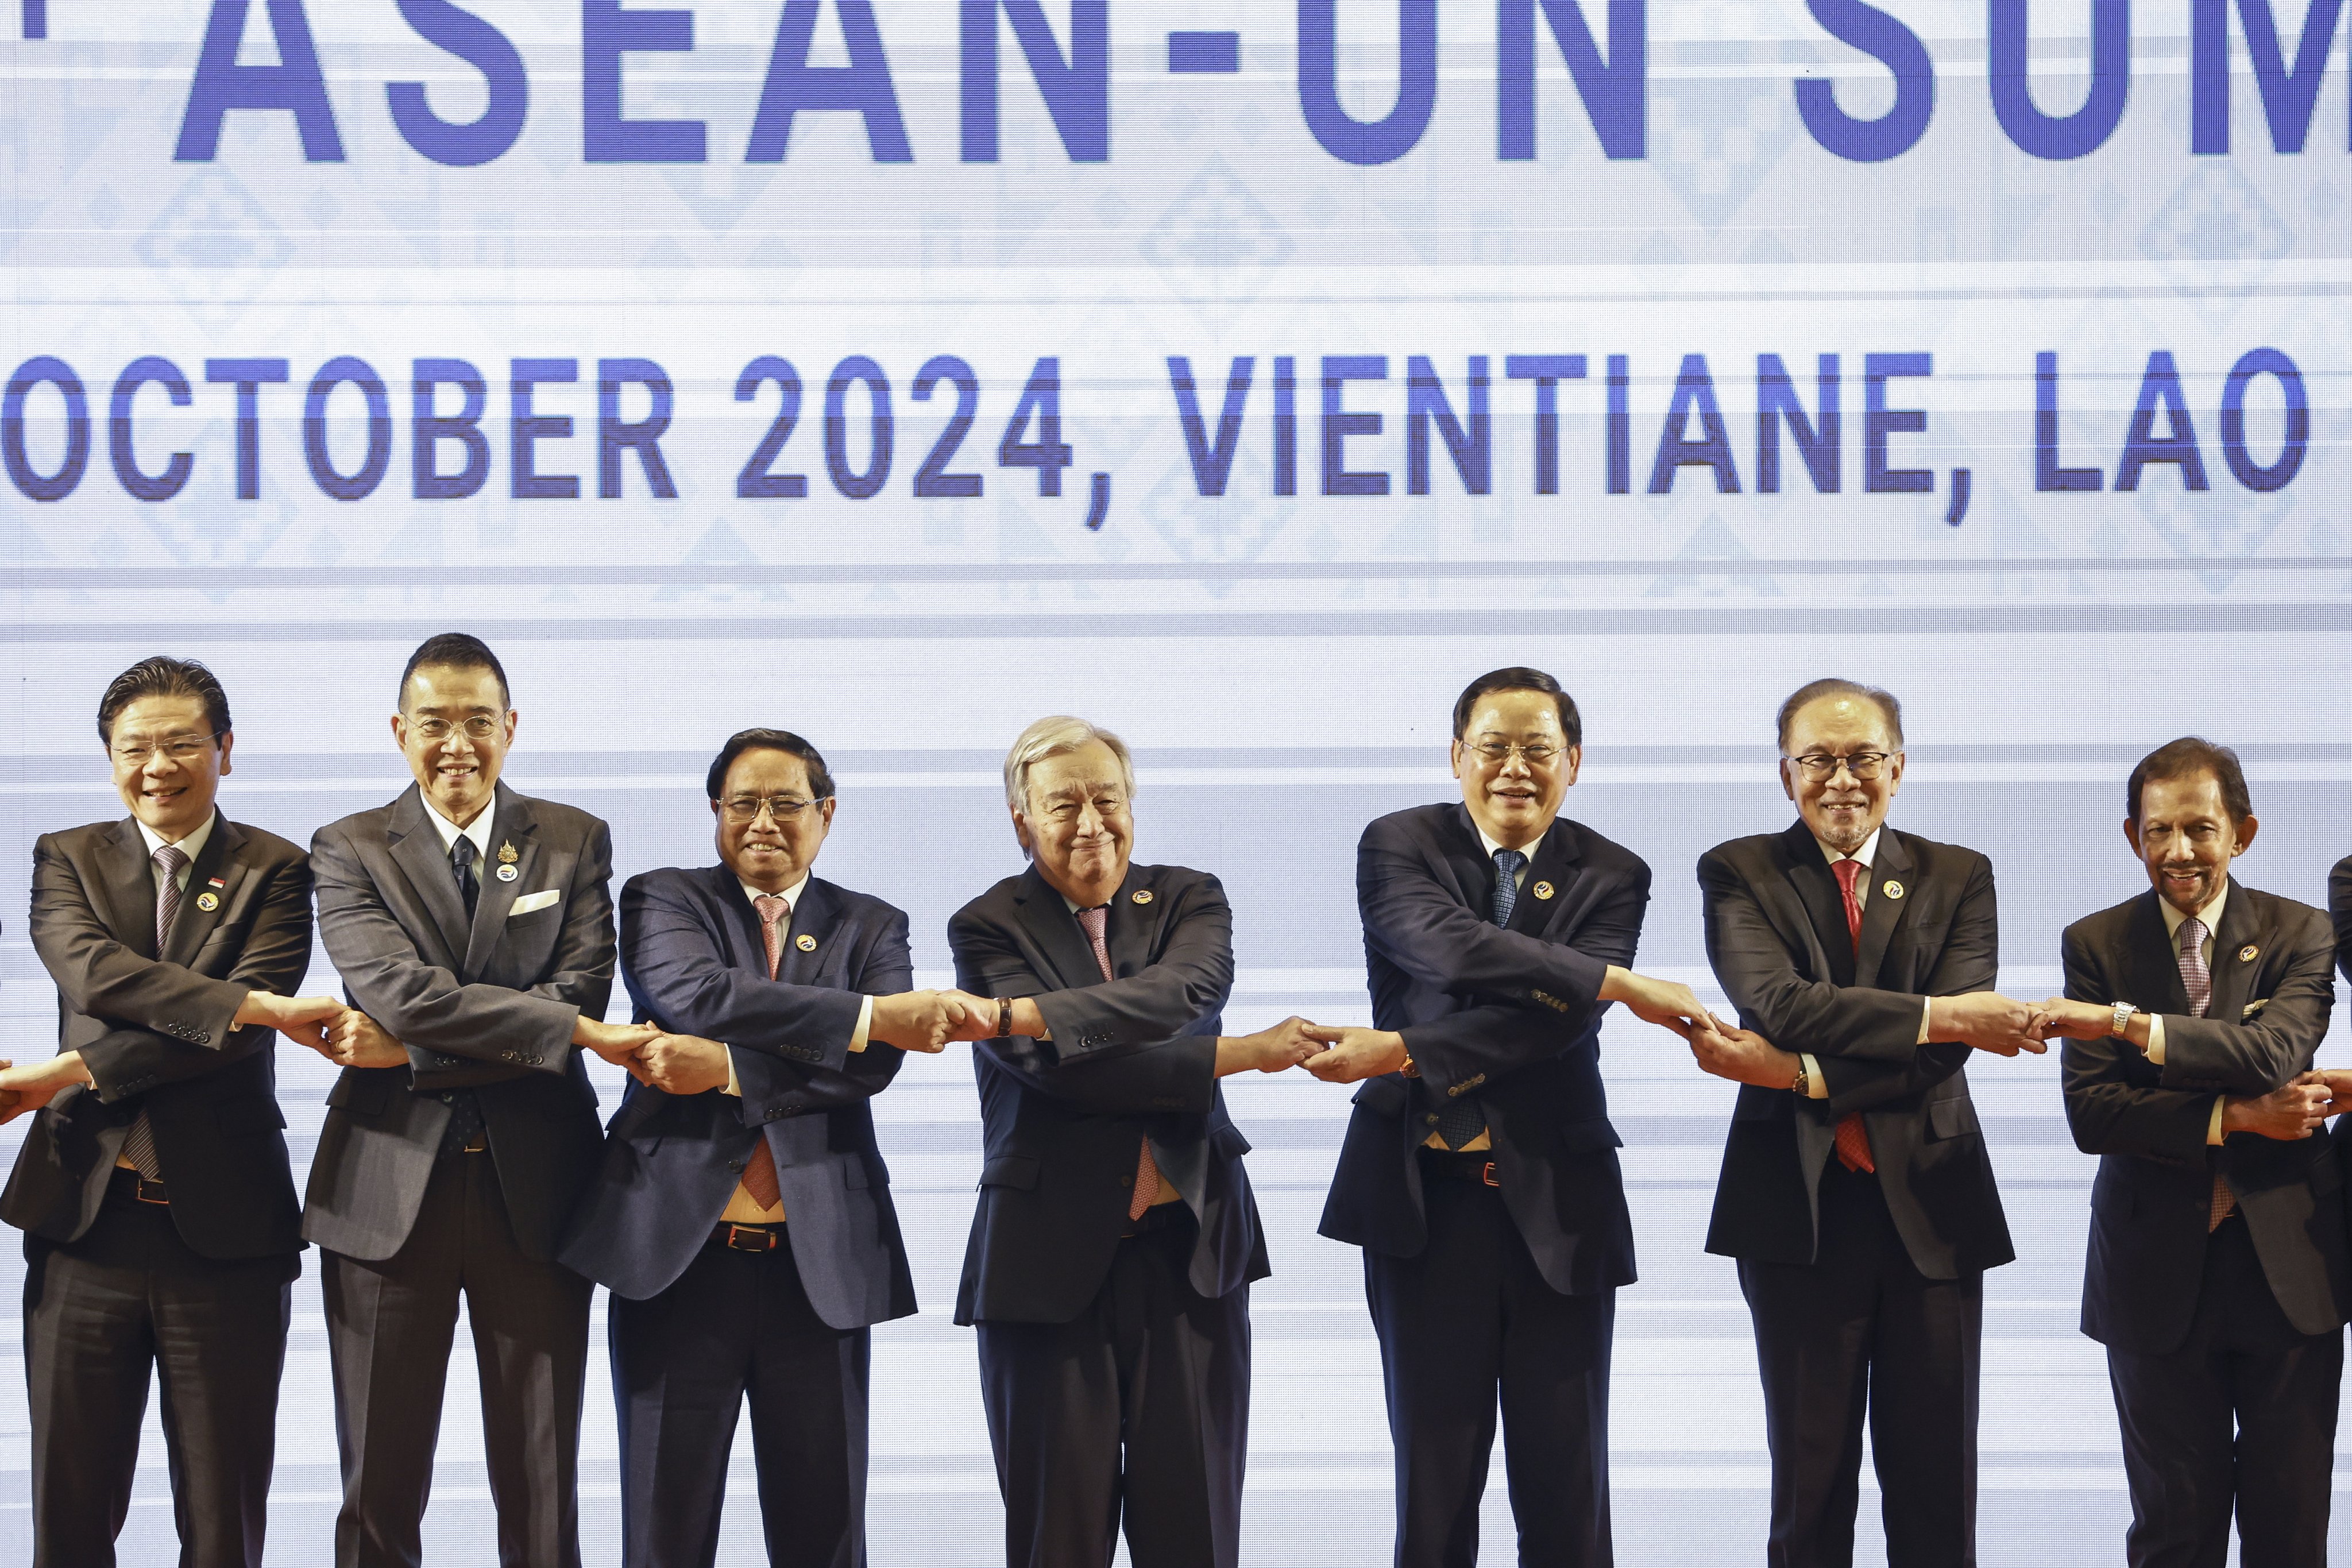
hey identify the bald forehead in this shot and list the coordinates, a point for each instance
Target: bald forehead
(1839, 721)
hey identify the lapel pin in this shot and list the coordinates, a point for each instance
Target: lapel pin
(1891, 888)
(216, 882)
(208, 902)
(508, 873)
(2249, 952)
(1541, 890)
(1141, 895)
(506, 855)
(806, 942)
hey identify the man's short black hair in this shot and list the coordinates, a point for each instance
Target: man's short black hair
(1518, 678)
(1814, 690)
(163, 676)
(2188, 756)
(742, 740)
(455, 651)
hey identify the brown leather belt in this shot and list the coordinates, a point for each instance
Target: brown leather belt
(749, 1238)
(129, 1184)
(1446, 1164)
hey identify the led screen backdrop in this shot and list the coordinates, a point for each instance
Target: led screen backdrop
(1244, 376)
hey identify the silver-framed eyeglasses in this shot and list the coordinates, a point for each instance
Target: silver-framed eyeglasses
(1864, 765)
(481, 727)
(181, 748)
(743, 810)
(1498, 753)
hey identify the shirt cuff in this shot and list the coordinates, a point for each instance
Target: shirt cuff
(1816, 1087)
(1927, 1011)
(2155, 1055)
(734, 1086)
(864, 1025)
(2214, 1128)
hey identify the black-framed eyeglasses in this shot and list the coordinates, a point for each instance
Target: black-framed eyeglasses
(181, 748)
(1864, 765)
(478, 729)
(1498, 753)
(743, 810)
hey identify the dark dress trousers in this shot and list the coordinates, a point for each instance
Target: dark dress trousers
(697, 1324)
(196, 1288)
(1866, 1291)
(2222, 1341)
(1114, 1355)
(406, 1219)
(1492, 1275)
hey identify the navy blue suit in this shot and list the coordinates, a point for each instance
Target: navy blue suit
(1114, 1354)
(695, 1325)
(1497, 1270)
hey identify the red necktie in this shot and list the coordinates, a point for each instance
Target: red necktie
(760, 1171)
(1852, 1139)
(1147, 1170)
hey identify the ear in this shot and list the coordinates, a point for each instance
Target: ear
(1021, 832)
(512, 718)
(2245, 835)
(228, 740)
(1575, 761)
(1455, 752)
(2131, 837)
(824, 811)
(1787, 778)
(1894, 774)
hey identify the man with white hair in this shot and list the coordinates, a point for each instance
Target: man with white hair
(1111, 1257)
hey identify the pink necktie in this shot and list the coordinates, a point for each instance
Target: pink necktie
(2198, 981)
(760, 1171)
(1852, 1138)
(1147, 1170)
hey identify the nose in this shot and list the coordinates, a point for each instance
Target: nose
(1090, 821)
(1515, 764)
(458, 744)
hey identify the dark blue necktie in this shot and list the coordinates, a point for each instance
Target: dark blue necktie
(1463, 1120)
(466, 1122)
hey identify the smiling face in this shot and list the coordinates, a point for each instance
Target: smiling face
(1842, 810)
(1512, 799)
(768, 850)
(454, 727)
(173, 794)
(1076, 825)
(2186, 839)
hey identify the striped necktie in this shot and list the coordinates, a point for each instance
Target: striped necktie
(2196, 980)
(138, 1146)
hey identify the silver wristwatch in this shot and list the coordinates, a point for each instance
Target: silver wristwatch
(2124, 1011)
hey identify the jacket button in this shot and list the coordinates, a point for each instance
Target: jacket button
(1128, 1180)
(1430, 1119)
(449, 1099)
(735, 1165)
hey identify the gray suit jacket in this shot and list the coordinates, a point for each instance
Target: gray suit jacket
(487, 1007)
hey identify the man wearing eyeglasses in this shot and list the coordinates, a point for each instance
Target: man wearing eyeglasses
(1856, 1191)
(474, 932)
(1116, 1239)
(1479, 1173)
(161, 1231)
(2218, 1278)
(742, 1217)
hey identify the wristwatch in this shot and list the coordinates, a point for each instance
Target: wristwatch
(2124, 1011)
(1803, 1087)
(1004, 1019)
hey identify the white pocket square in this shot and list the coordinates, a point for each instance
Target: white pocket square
(538, 901)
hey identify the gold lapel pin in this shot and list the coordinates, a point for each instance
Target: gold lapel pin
(508, 873)
(1141, 895)
(1541, 890)
(1891, 888)
(2249, 952)
(208, 903)
(806, 942)
(506, 855)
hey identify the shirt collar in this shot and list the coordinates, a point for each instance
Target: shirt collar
(2211, 914)
(192, 846)
(790, 895)
(1867, 854)
(478, 830)
(1494, 847)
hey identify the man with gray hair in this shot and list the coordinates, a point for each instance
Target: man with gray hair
(1111, 1257)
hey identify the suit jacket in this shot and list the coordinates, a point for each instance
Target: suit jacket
(2340, 905)
(2150, 1205)
(154, 1030)
(693, 958)
(1062, 1118)
(1777, 937)
(1510, 1013)
(487, 1006)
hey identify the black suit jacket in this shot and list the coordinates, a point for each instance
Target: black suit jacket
(693, 958)
(2340, 905)
(1777, 937)
(1062, 1120)
(489, 1006)
(1509, 1014)
(154, 1030)
(2151, 1205)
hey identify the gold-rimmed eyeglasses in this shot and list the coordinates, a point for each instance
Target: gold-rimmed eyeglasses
(1864, 765)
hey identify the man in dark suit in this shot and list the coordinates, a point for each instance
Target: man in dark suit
(2218, 1276)
(1856, 1191)
(1479, 1172)
(159, 1213)
(742, 1217)
(473, 929)
(1111, 1256)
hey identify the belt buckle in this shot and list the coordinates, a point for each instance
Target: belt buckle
(479, 1144)
(145, 1187)
(1486, 1175)
(761, 1240)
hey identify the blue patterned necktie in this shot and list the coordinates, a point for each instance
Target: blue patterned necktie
(1462, 1119)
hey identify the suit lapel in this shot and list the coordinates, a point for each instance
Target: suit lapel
(2155, 971)
(415, 846)
(1882, 910)
(1132, 932)
(738, 922)
(511, 824)
(1554, 857)
(219, 860)
(129, 881)
(1056, 931)
(1817, 888)
(2232, 980)
(816, 915)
